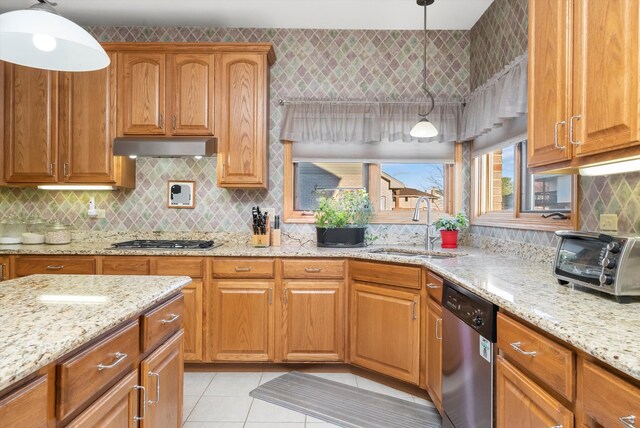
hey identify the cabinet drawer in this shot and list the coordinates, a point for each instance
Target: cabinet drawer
(608, 399)
(189, 266)
(549, 361)
(26, 407)
(434, 287)
(243, 268)
(313, 268)
(83, 376)
(126, 266)
(162, 322)
(29, 265)
(387, 274)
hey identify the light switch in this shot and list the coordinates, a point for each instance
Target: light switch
(609, 222)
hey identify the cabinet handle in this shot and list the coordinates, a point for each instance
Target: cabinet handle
(413, 310)
(120, 357)
(144, 403)
(1, 272)
(438, 336)
(160, 121)
(555, 135)
(65, 166)
(55, 267)
(223, 169)
(243, 269)
(271, 296)
(52, 167)
(571, 140)
(628, 421)
(173, 121)
(157, 376)
(284, 297)
(433, 286)
(173, 318)
(516, 346)
(558, 426)
(313, 270)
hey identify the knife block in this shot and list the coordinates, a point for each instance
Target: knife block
(261, 240)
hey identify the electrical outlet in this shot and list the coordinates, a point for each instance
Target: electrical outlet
(100, 213)
(271, 212)
(609, 222)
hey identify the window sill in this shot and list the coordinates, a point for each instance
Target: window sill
(531, 223)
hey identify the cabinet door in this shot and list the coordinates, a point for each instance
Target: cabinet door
(26, 407)
(141, 101)
(87, 125)
(118, 407)
(434, 351)
(312, 321)
(241, 316)
(4, 268)
(31, 129)
(605, 75)
(522, 403)
(242, 160)
(192, 321)
(385, 331)
(192, 92)
(162, 376)
(548, 82)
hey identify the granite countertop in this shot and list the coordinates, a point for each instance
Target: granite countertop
(77, 308)
(594, 324)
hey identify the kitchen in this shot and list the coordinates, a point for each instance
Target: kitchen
(460, 62)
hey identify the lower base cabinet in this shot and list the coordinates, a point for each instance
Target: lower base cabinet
(26, 407)
(192, 321)
(521, 403)
(434, 352)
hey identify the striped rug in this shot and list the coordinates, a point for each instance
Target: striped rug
(345, 405)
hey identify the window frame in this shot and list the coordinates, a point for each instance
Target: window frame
(516, 219)
(453, 199)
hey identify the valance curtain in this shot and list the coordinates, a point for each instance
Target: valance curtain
(500, 103)
(364, 122)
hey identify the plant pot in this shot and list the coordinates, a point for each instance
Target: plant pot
(342, 237)
(449, 238)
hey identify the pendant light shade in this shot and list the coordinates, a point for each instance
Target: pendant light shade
(38, 37)
(424, 128)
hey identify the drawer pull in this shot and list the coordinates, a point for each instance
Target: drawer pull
(120, 357)
(438, 322)
(55, 267)
(413, 310)
(628, 421)
(157, 376)
(144, 403)
(555, 135)
(558, 426)
(516, 346)
(433, 286)
(571, 140)
(173, 318)
(313, 270)
(243, 269)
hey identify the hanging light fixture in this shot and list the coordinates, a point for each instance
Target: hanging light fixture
(424, 128)
(39, 37)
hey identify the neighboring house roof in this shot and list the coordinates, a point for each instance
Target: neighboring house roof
(409, 192)
(394, 183)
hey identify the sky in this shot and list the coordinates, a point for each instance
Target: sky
(415, 175)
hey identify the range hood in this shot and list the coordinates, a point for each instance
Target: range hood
(174, 147)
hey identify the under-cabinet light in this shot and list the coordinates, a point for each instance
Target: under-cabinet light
(630, 165)
(75, 187)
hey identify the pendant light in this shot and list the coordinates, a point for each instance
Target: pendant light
(424, 128)
(39, 37)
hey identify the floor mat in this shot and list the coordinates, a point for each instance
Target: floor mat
(345, 405)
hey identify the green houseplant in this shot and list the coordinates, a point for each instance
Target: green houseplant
(341, 220)
(449, 227)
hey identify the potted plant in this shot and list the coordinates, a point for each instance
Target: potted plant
(449, 227)
(341, 220)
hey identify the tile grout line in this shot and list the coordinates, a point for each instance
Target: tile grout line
(199, 398)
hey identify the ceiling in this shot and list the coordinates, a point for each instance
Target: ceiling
(325, 14)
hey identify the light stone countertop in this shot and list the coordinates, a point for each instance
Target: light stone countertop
(43, 317)
(594, 324)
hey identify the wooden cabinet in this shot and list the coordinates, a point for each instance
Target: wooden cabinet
(312, 322)
(243, 125)
(385, 330)
(522, 403)
(166, 93)
(30, 265)
(241, 320)
(160, 323)
(434, 351)
(254, 267)
(126, 265)
(162, 376)
(583, 85)
(26, 407)
(5, 268)
(387, 274)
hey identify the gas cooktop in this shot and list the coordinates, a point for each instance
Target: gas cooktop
(163, 244)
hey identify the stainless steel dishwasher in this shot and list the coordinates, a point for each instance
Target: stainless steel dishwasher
(468, 355)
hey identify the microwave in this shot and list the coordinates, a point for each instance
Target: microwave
(609, 263)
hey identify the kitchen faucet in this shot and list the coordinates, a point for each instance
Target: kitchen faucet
(428, 239)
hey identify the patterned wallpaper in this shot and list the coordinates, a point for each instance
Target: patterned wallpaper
(347, 64)
(499, 36)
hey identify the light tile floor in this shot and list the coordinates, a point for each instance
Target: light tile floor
(221, 400)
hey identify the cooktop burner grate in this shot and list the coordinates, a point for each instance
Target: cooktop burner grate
(166, 244)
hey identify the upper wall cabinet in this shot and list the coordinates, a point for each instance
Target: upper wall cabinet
(59, 128)
(166, 93)
(583, 82)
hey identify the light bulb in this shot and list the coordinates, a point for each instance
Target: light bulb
(197, 157)
(44, 42)
(133, 156)
(423, 129)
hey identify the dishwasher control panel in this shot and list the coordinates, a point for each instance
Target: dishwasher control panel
(475, 311)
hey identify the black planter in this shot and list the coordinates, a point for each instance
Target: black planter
(343, 237)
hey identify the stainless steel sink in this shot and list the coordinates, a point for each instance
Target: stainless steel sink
(414, 253)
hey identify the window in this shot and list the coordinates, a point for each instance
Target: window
(328, 178)
(505, 193)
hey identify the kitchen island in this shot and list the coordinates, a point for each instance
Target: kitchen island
(65, 340)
